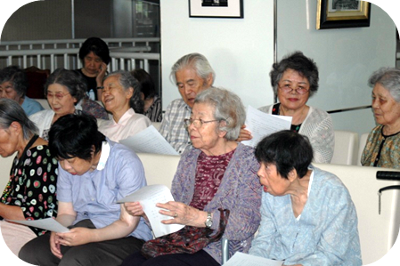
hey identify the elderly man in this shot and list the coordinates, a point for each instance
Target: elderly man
(192, 74)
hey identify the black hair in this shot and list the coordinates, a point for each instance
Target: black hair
(98, 47)
(17, 77)
(75, 136)
(287, 150)
(146, 83)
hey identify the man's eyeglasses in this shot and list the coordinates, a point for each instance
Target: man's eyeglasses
(198, 123)
(58, 95)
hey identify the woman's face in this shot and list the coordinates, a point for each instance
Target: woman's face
(92, 63)
(207, 136)
(272, 181)
(386, 109)
(114, 97)
(8, 143)
(7, 91)
(76, 166)
(60, 100)
(293, 90)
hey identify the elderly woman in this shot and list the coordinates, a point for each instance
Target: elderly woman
(121, 97)
(383, 144)
(95, 56)
(295, 79)
(30, 193)
(308, 217)
(13, 85)
(65, 92)
(94, 173)
(217, 173)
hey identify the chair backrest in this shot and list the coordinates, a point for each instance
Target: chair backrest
(159, 169)
(36, 80)
(346, 147)
(157, 125)
(361, 146)
(5, 167)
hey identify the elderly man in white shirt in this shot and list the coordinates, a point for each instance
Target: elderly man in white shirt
(121, 97)
(192, 74)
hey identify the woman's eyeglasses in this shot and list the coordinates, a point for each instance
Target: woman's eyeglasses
(287, 89)
(198, 123)
(58, 95)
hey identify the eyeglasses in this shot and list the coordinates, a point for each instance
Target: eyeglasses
(58, 95)
(198, 123)
(287, 89)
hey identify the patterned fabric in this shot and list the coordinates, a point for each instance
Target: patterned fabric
(239, 192)
(209, 173)
(325, 234)
(318, 127)
(154, 113)
(187, 240)
(32, 185)
(93, 108)
(173, 127)
(387, 147)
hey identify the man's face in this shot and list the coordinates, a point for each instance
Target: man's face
(190, 84)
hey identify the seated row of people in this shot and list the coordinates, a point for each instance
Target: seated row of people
(216, 176)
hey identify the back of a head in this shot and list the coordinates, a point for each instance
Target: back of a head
(196, 61)
(287, 150)
(146, 83)
(11, 111)
(98, 47)
(74, 82)
(75, 136)
(17, 77)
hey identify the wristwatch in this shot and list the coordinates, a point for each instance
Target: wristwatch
(208, 222)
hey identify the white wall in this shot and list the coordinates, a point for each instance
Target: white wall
(345, 58)
(239, 50)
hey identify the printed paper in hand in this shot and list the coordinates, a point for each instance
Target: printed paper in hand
(261, 124)
(47, 224)
(242, 259)
(148, 197)
(149, 140)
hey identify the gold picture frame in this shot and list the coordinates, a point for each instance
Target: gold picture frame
(343, 14)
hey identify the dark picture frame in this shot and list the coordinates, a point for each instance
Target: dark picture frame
(343, 14)
(216, 8)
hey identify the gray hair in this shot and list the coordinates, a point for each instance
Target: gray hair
(389, 78)
(300, 63)
(196, 61)
(11, 111)
(228, 107)
(127, 81)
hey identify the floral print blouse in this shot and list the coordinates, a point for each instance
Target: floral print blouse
(32, 185)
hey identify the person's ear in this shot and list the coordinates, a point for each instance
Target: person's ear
(292, 175)
(129, 92)
(209, 80)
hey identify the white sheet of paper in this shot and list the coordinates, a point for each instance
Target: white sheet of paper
(47, 224)
(148, 197)
(242, 259)
(149, 140)
(261, 124)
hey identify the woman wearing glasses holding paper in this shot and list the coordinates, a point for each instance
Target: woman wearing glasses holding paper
(30, 193)
(217, 173)
(65, 92)
(294, 80)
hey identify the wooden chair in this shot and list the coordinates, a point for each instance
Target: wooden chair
(36, 80)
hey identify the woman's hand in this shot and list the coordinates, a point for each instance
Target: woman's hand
(182, 214)
(101, 74)
(244, 134)
(135, 209)
(75, 237)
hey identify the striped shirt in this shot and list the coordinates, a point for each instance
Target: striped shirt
(173, 127)
(154, 113)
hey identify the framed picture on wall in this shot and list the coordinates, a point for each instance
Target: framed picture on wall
(343, 14)
(216, 8)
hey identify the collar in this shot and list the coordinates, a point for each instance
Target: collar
(125, 117)
(105, 153)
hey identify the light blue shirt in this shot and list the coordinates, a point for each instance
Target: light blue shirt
(31, 106)
(95, 193)
(325, 234)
